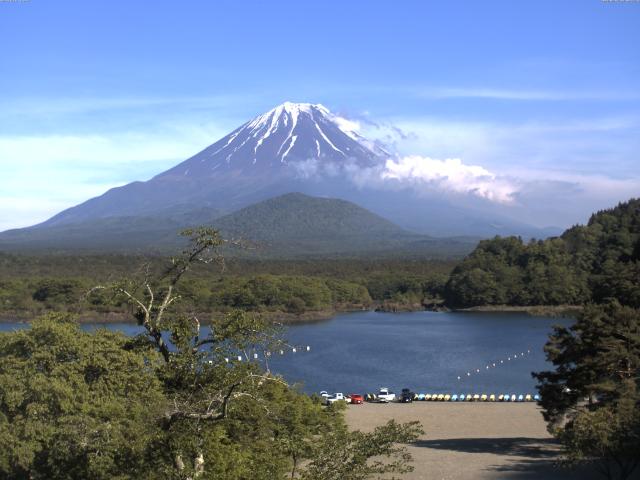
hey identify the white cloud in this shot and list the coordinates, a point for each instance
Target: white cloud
(594, 189)
(100, 150)
(450, 175)
(563, 170)
(68, 105)
(589, 145)
(347, 125)
(526, 169)
(421, 174)
(526, 95)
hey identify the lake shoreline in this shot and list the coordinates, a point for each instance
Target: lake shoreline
(284, 318)
(564, 311)
(314, 316)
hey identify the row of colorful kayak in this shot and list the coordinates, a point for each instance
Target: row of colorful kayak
(479, 398)
(442, 397)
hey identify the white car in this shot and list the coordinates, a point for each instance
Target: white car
(324, 394)
(386, 396)
(336, 397)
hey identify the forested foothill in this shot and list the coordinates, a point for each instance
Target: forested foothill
(592, 262)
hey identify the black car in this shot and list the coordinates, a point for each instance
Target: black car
(406, 396)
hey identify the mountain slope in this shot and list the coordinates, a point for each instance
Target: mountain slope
(288, 134)
(295, 215)
(301, 224)
(265, 157)
(291, 225)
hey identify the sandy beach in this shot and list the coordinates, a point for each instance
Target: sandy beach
(473, 440)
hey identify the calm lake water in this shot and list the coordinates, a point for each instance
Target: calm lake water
(425, 351)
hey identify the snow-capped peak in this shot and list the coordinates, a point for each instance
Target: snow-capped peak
(287, 111)
(287, 114)
(290, 107)
(289, 133)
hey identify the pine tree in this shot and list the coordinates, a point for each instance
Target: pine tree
(591, 400)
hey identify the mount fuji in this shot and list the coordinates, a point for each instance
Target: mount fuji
(267, 156)
(295, 147)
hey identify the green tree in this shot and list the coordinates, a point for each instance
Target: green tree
(75, 404)
(591, 400)
(56, 292)
(358, 456)
(594, 262)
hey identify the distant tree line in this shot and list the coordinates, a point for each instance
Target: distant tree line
(30, 286)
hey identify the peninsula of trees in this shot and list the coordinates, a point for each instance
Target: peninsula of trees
(587, 263)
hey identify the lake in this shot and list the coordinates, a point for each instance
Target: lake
(425, 351)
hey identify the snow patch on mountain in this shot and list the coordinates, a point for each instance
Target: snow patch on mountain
(284, 136)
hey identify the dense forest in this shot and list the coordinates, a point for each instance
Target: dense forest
(594, 262)
(32, 285)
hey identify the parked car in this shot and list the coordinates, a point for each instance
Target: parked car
(336, 397)
(356, 399)
(406, 396)
(386, 396)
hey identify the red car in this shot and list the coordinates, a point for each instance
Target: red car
(356, 398)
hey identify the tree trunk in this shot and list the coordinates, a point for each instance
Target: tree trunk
(198, 465)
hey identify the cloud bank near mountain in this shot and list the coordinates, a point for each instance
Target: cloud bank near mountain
(450, 175)
(421, 174)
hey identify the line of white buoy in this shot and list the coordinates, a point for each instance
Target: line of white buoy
(495, 364)
(267, 354)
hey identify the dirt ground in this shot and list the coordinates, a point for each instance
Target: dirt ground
(473, 440)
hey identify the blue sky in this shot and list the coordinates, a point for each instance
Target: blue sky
(543, 94)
